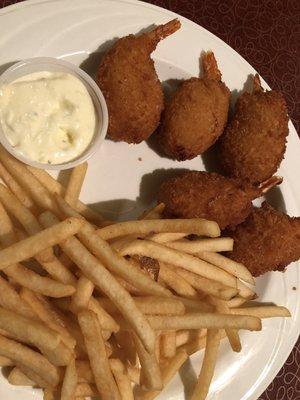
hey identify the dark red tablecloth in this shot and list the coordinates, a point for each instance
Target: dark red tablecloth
(267, 34)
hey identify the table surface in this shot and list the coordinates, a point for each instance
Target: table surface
(267, 34)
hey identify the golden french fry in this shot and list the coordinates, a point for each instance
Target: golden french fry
(149, 305)
(28, 330)
(40, 382)
(48, 315)
(17, 378)
(86, 390)
(70, 382)
(31, 359)
(100, 276)
(16, 189)
(262, 311)
(168, 344)
(28, 181)
(166, 237)
(97, 355)
(10, 299)
(49, 394)
(32, 245)
(134, 374)
(75, 183)
(208, 365)
(236, 302)
(178, 284)
(207, 320)
(84, 371)
(122, 379)
(185, 336)
(245, 291)
(178, 259)
(60, 356)
(153, 213)
(234, 268)
(168, 372)
(232, 334)
(195, 226)
(5, 362)
(54, 187)
(199, 245)
(112, 260)
(196, 305)
(83, 294)
(205, 285)
(150, 372)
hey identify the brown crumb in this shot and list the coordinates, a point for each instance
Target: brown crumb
(294, 288)
(140, 159)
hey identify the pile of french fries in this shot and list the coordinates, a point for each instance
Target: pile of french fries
(89, 307)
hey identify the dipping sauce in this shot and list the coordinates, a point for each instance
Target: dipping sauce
(48, 117)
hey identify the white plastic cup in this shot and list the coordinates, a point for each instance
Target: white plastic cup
(50, 64)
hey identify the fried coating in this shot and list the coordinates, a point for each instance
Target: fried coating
(253, 144)
(195, 194)
(196, 115)
(267, 240)
(130, 85)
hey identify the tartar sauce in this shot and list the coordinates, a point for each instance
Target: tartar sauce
(47, 117)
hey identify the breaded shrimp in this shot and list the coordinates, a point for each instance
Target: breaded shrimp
(131, 87)
(253, 144)
(195, 194)
(196, 115)
(267, 240)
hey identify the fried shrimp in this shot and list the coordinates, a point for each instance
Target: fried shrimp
(196, 115)
(131, 87)
(195, 194)
(253, 144)
(267, 240)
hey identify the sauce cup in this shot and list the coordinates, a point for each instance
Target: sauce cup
(50, 64)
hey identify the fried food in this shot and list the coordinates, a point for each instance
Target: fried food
(197, 114)
(267, 240)
(254, 142)
(199, 194)
(131, 87)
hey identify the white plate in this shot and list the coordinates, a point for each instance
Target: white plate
(123, 179)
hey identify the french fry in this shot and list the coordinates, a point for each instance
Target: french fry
(28, 330)
(60, 356)
(149, 305)
(33, 376)
(17, 378)
(168, 344)
(48, 394)
(10, 299)
(83, 294)
(207, 320)
(98, 274)
(97, 355)
(207, 286)
(111, 259)
(153, 213)
(208, 365)
(122, 379)
(166, 237)
(236, 302)
(245, 291)
(47, 314)
(178, 284)
(185, 336)
(28, 181)
(232, 334)
(168, 372)
(150, 372)
(195, 226)
(75, 183)
(32, 245)
(200, 245)
(234, 268)
(86, 390)
(23, 355)
(5, 362)
(70, 382)
(262, 311)
(134, 374)
(16, 189)
(54, 187)
(196, 305)
(178, 259)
